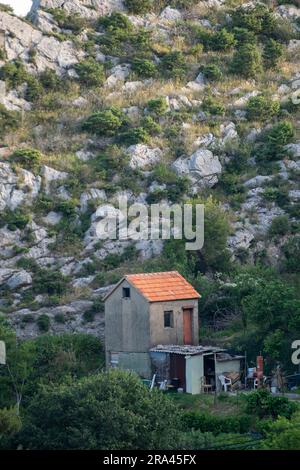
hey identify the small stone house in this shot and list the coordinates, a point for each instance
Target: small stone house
(146, 310)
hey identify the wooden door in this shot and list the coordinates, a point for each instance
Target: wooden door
(187, 326)
(177, 369)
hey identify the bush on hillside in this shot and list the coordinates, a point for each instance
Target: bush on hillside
(262, 108)
(90, 72)
(105, 123)
(158, 106)
(173, 65)
(222, 40)
(246, 61)
(74, 21)
(137, 135)
(138, 7)
(262, 404)
(9, 120)
(144, 68)
(212, 72)
(28, 158)
(257, 18)
(115, 23)
(212, 106)
(272, 53)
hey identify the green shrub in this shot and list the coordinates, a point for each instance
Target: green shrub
(50, 80)
(16, 219)
(246, 61)
(291, 251)
(9, 120)
(28, 264)
(34, 89)
(272, 53)
(2, 54)
(14, 74)
(222, 40)
(115, 23)
(43, 323)
(60, 318)
(27, 158)
(212, 72)
(74, 21)
(105, 123)
(274, 141)
(137, 135)
(158, 106)
(49, 282)
(90, 72)
(243, 35)
(212, 106)
(216, 424)
(6, 8)
(89, 316)
(150, 125)
(257, 18)
(280, 226)
(262, 404)
(144, 68)
(138, 7)
(262, 108)
(173, 65)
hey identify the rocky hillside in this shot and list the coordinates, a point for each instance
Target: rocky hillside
(163, 101)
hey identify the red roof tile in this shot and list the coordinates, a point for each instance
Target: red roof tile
(157, 287)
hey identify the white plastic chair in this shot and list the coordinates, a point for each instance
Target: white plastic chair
(225, 382)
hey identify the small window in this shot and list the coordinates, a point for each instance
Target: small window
(168, 319)
(126, 292)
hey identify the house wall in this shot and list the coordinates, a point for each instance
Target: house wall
(127, 328)
(234, 365)
(194, 373)
(161, 335)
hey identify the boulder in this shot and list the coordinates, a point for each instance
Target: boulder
(170, 14)
(294, 149)
(90, 195)
(86, 8)
(141, 156)
(202, 167)
(21, 37)
(118, 75)
(17, 189)
(52, 218)
(19, 279)
(257, 181)
(50, 175)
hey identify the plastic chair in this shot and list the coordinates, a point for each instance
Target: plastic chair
(225, 382)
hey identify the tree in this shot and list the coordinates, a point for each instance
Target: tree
(273, 51)
(14, 375)
(246, 61)
(273, 304)
(10, 423)
(262, 108)
(111, 410)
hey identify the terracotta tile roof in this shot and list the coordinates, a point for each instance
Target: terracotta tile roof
(157, 287)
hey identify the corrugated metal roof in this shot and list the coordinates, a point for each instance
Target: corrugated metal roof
(158, 287)
(185, 349)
